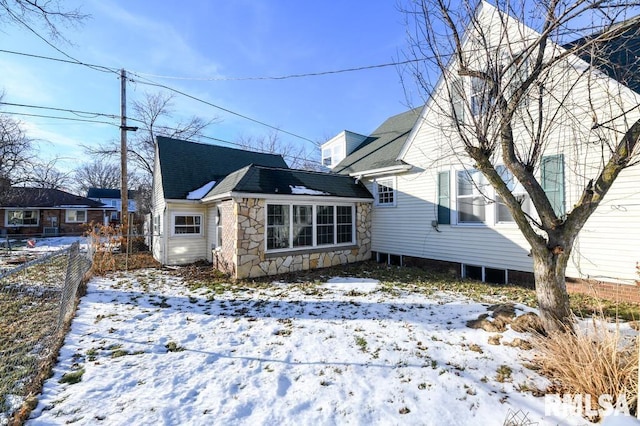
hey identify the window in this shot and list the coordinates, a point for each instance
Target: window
(302, 226)
(444, 199)
(471, 200)
(187, 224)
(552, 181)
(457, 100)
(76, 216)
(333, 154)
(22, 218)
(326, 157)
(156, 225)
(515, 75)
(277, 226)
(479, 99)
(344, 221)
(385, 192)
(294, 226)
(324, 224)
(502, 211)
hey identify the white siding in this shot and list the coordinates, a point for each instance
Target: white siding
(157, 209)
(185, 248)
(606, 247)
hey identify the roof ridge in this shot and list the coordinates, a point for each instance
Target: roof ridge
(217, 146)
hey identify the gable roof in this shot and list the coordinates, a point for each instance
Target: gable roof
(45, 197)
(186, 166)
(269, 180)
(106, 193)
(381, 148)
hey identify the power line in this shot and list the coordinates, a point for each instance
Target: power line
(76, 61)
(94, 114)
(285, 77)
(58, 118)
(132, 119)
(67, 61)
(262, 123)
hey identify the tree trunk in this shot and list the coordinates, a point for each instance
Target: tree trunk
(551, 291)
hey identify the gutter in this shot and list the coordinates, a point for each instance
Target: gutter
(382, 171)
(288, 197)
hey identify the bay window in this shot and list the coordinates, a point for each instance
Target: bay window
(307, 225)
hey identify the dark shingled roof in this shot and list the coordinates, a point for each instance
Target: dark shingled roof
(382, 147)
(618, 55)
(187, 166)
(268, 180)
(44, 197)
(106, 193)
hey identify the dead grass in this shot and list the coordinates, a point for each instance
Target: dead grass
(598, 360)
(29, 307)
(395, 278)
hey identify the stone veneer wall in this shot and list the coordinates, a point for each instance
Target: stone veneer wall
(252, 261)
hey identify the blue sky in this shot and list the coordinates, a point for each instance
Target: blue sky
(214, 39)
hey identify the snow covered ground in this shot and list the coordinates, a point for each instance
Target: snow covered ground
(347, 351)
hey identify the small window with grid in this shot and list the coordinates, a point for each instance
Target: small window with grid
(385, 192)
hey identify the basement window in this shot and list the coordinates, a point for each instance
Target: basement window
(484, 274)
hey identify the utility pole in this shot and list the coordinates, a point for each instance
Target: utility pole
(124, 195)
(124, 186)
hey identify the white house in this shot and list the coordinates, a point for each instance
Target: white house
(250, 215)
(111, 197)
(432, 207)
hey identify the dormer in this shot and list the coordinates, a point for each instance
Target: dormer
(338, 147)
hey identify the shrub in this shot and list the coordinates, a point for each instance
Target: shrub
(596, 360)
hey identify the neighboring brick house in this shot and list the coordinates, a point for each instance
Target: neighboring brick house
(45, 211)
(251, 215)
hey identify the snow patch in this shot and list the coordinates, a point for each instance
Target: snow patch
(197, 194)
(362, 285)
(303, 190)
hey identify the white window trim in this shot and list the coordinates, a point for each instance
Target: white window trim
(173, 224)
(334, 152)
(9, 225)
(314, 224)
(392, 180)
(67, 219)
(491, 208)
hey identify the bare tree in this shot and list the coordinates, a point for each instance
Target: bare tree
(509, 94)
(295, 156)
(97, 174)
(47, 175)
(16, 150)
(49, 14)
(154, 116)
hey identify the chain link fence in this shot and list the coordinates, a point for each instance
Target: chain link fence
(37, 302)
